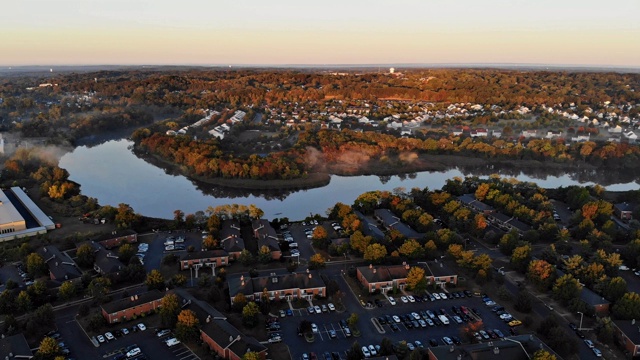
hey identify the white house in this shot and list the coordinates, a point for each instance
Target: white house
(529, 133)
(553, 134)
(615, 130)
(630, 135)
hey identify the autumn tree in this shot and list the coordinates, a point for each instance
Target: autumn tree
(126, 252)
(187, 325)
(566, 288)
(359, 242)
(375, 253)
(416, 279)
(520, 257)
(35, 265)
(250, 314)
(614, 288)
(411, 248)
(48, 348)
(169, 308)
(319, 237)
(628, 307)
(541, 274)
(543, 355)
(99, 287)
(264, 254)
(317, 261)
(239, 301)
(209, 243)
(246, 258)
(125, 216)
(155, 280)
(67, 290)
(251, 355)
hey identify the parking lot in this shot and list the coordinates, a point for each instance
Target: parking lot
(378, 323)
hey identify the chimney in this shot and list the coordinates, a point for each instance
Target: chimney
(132, 299)
(136, 297)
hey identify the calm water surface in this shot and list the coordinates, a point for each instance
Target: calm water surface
(111, 173)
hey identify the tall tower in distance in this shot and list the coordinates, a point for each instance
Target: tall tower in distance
(391, 70)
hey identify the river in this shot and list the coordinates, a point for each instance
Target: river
(111, 173)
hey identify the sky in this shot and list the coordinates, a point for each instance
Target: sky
(282, 32)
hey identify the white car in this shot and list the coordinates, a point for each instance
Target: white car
(169, 247)
(415, 315)
(372, 350)
(100, 339)
(411, 298)
(365, 352)
(436, 295)
(314, 328)
(134, 352)
(317, 309)
(443, 296)
(171, 342)
(623, 268)
(396, 318)
(109, 336)
(404, 299)
(589, 343)
(331, 307)
(142, 327)
(125, 331)
(392, 301)
(597, 352)
(295, 252)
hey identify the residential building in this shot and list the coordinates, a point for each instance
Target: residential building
(390, 221)
(470, 201)
(627, 334)
(61, 267)
(508, 223)
(135, 305)
(596, 303)
(624, 211)
(231, 238)
(218, 334)
(266, 235)
(521, 347)
(439, 274)
(302, 285)
(529, 133)
(212, 258)
(15, 347)
(382, 278)
(116, 238)
(369, 228)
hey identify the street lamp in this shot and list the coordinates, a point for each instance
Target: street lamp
(518, 342)
(581, 316)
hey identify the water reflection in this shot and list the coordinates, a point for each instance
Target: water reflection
(111, 173)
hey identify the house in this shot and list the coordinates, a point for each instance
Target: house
(469, 201)
(553, 134)
(630, 135)
(217, 333)
(624, 211)
(627, 334)
(15, 347)
(196, 259)
(116, 238)
(595, 303)
(61, 267)
(507, 223)
(615, 130)
(496, 133)
(302, 285)
(107, 263)
(439, 274)
(266, 236)
(382, 278)
(135, 305)
(520, 347)
(369, 227)
(390, 221)
(231, 238)
(479, 133)
(581, 138)
(529, 133)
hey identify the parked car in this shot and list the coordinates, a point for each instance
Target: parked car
(597, 352)
(392, 301)
(589, 343)
(163, 332)
(109, 336)
(142, 327)
(365, 352)
(331, 307)
(172, 342)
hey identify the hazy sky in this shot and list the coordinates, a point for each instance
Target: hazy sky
(580, 32)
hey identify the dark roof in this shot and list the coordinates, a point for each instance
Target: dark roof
(438, 269)
(591, 298)
(631, 328)
(127, 303)
(204, 255)
(60, 264)
(383, 273)
(511, 221)
(500, 217)
(230, 236)
(391, 221)
(519, 348)
(369, 228)
(273, 283)
(624, 206)
(16, 345)
(265, 234)
(108, 261)
(340, 241)
(215, 325)
(470, 199)
(115, 235)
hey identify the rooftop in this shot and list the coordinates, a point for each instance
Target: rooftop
(393, 222)
(16, 345)
(631, 328)
(33, 209)
(243, 283)
(60, 264)
(8, 212)
(470, 199)
(203, 255)
(520, 347)
(132, 301)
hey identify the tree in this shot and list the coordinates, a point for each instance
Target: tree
(23, 301)
(35, 265)
(317, 261)
(566, 288)
(541, 274)
(520, 257)
(187, 325)
(178, 218)
(178, 280)
(209, 243)
(353, 320)
(169, 308)
(67, 290)
(155, 280)
(250, 313)
(251, 355)
(246, 258)
(375, 253)
(264, 254)
(319, 237)
(48, 348)
(543, 355)
(125, 216)
(523, 301)
(99, 287)
(85, 255)
(411, 248)
(126, 252)
(415, 279)
(628, 307)
(359, 242)
(239, 301)
(614, 288)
